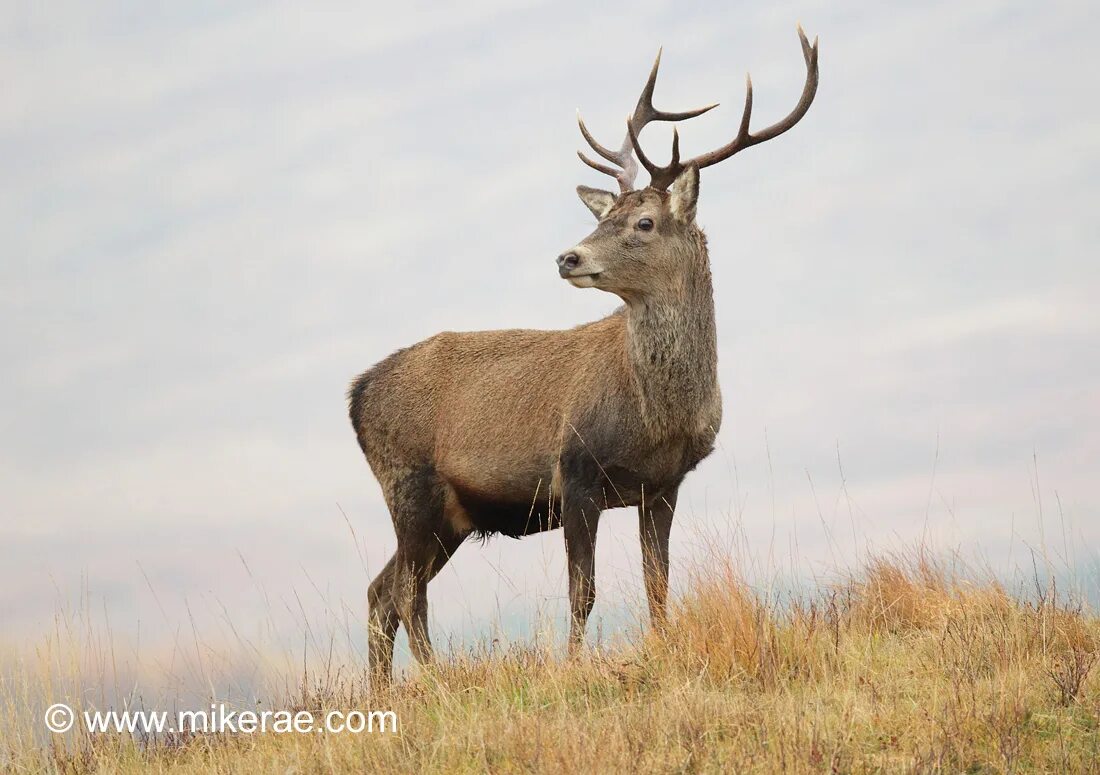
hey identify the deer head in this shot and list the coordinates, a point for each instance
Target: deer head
(638, 248)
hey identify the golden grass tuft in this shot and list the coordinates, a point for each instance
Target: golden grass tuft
(909, 667)
(920, 593)
(722, 628)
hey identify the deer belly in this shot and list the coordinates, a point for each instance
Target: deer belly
(500, 496)
(488, 513)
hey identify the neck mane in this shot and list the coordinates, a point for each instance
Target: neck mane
(672, 349)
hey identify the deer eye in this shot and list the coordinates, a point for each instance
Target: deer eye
(645, 224)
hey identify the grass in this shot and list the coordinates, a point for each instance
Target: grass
(907, 667)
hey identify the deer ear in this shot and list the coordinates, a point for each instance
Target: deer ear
(684, 194)
(596, 200)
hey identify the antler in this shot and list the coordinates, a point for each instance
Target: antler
(644, 113)
(662, 177)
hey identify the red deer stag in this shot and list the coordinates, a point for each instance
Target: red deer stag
(521, 431)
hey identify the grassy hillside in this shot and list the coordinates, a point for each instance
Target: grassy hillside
(904, 669)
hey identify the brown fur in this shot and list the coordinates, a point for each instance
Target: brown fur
(520, 431)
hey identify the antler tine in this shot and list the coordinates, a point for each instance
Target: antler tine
(644, 113)
(601, 167)
(596, 146)
(632, 135)
(629, 170)
(659, 177)
(744, 137)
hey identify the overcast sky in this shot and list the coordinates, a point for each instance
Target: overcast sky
(215, 216)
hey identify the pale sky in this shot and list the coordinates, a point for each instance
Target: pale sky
(215, 217)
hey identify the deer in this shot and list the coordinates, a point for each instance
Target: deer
(516, 432)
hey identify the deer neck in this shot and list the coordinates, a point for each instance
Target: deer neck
(673, 353)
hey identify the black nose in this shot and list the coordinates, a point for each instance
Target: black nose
(568, 260)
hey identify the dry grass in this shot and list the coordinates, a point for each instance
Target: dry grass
(907, 668)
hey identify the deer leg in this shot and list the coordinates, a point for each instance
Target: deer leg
(425, 542)
(579, 526)
(655, 524)
(416, 563)
(410, 592)
(381, 625)
(384, 616)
